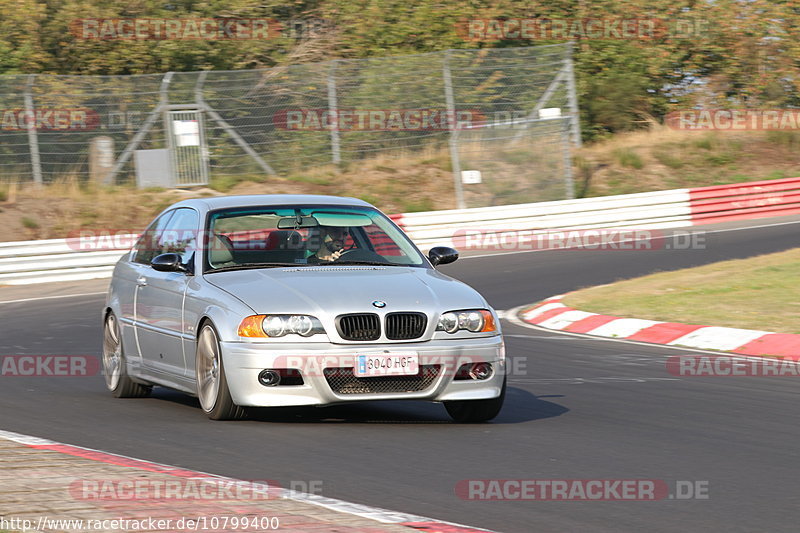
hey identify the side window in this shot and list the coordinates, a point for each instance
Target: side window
(381, 242)
(180, 234)
(146, 247)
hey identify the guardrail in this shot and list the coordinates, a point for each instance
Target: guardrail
(65, 259)
(650, 210)
(759, 199)
(43, 261)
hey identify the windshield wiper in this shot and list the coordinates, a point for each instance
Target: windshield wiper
(251, 266)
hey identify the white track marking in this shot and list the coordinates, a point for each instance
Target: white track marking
(511, 316)
(51, 297)
(621, 327)
(565, 319)
(375, 513)
(719, 338)
(549, 337)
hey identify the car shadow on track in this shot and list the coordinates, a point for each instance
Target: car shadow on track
(520, 406)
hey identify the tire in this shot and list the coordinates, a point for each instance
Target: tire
(114, 367)
(212, 386)
(476, 411)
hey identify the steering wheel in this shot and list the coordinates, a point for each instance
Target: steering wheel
(359, 254)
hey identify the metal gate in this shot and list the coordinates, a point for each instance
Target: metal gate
(188, 152)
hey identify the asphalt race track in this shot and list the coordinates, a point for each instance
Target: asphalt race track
(577, 408)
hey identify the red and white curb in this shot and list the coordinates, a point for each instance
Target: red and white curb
(364, 511)
(554, 315)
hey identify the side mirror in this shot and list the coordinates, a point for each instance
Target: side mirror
(441, 255)
(168, 263)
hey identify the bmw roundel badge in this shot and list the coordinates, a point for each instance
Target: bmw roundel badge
(379, 304)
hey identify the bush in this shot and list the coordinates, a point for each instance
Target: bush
(29, 223)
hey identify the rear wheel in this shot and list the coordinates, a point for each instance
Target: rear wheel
(474, 411)
(114, 368)
(212, 386)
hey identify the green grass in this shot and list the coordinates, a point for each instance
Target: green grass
(412, 206)
(519, 157)
(628, 158)
(755, 293)
(314, 180)
(668, 158)
(707, 142)
(384, 168)
(442, 162)
(29, 223)
(370, 199)
(785, 138)
(721, 159)
(228, 182)
(621, 182)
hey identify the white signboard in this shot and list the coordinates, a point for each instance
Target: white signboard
(470, 177)
(550, 112)
(187, 132)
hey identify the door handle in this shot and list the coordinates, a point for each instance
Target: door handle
(141, 281)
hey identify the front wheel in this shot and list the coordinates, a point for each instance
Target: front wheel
(212, 386)
(475, 411)
(114, 369)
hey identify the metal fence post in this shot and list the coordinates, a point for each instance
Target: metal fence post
(140, 135)
(333, 111)
(573, 98)
(203, 106)
(33, 139)
(566, 150)
(451, 116)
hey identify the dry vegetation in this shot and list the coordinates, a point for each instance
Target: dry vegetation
(394, 185)
(664, 158)
(657, 159)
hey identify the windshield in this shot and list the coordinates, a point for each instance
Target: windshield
(263, 237)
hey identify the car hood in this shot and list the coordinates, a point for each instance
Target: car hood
(333, 290)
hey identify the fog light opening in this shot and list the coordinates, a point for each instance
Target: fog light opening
(269, 378)
(480, 371)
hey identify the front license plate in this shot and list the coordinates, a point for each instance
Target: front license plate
(386, 365)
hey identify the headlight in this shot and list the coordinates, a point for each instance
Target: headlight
(279, 325)
(274, 326)
(475, 320)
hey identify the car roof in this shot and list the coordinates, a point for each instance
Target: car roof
(267, 200)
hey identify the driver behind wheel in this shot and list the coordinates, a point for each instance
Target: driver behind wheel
(327, 243)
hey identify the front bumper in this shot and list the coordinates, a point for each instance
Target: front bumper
(244, 361)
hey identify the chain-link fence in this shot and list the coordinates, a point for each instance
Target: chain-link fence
(507, 117)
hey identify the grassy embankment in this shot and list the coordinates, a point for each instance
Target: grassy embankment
(756, 293)
(635, 162)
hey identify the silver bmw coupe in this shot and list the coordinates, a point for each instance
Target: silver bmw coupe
(288, 300)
